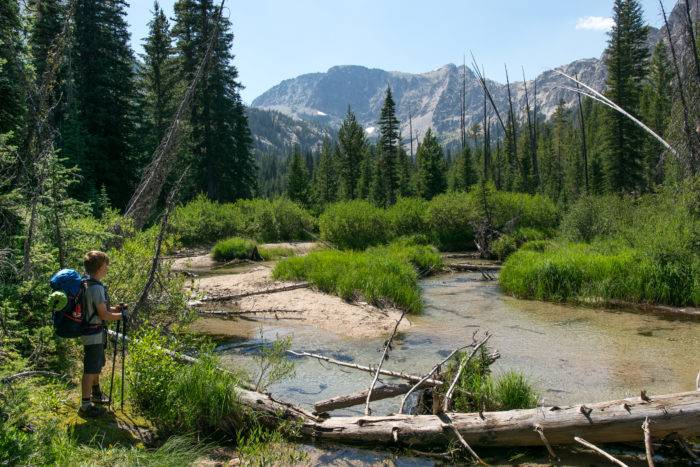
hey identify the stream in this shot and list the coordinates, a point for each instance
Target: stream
(571, 354)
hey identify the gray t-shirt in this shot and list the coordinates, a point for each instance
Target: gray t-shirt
(95, 295)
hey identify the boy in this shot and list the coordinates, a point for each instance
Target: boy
(98, 311)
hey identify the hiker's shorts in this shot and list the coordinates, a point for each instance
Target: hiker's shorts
(93, 359)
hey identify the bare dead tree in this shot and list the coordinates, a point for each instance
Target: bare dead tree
(387, 347)
(691, 38)
(511, 115)
(40, 137)
(584, 148)
(144, 198)
(463, 103)
(691, 136)
(482, 80)
(155, 263)
(531, 134)
(487, 142)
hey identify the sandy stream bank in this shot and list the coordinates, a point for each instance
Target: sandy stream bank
(294, 307)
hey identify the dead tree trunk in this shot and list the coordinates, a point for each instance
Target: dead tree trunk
(607, 422)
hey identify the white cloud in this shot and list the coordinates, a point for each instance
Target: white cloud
(321, 114)
(370, 130)
(595, 23)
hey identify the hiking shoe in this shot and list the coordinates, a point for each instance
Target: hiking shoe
(91, 411)
(99, 398)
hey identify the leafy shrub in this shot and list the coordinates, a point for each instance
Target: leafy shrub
(508, 244)
(534, 211)
(233, 248)
(276, 220)
(450, 217)
(504, 246)
(354, 225)
(381, 276)
(408, 217)
(591, 217)
(202, 221)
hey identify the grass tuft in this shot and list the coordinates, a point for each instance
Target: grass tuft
(381, 275)
(233, 248)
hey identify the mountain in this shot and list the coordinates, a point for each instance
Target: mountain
(276, 133)
(432, 98)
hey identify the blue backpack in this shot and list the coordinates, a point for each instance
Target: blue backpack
(71, 320)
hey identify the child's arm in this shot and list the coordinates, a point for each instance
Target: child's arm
(113, 314)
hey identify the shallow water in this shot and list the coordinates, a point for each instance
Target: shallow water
(572, 354)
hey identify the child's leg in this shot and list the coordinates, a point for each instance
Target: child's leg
(86, 385)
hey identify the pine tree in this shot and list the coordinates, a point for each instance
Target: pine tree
(298, 179)
(157, 78)
(351, 151)
(627, 57)
(404, 169)
(364, 183)
(462, 173)
(100, 126)
(220, 142)
(430, 179)
(386, 177)
(325, 176)
(12, 72)
(656, 108)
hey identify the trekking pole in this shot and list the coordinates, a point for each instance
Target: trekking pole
(124, 324)
(114, 362)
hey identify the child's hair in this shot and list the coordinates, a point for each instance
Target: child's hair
(94, 260)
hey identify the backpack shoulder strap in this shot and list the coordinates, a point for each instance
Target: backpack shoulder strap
(85, 284)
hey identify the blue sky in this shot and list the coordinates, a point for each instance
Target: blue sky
(280, 39)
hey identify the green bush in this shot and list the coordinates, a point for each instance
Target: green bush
(233, 248)
(408, 217)
(381, 276)
(275, 221)
(202, 221)
(592, 217)
(450, 218)
(508, 244)
(269, 253)
(354, 225)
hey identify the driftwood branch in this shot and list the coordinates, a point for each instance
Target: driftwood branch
(647, 442)
(349, 400)
(538, 429)
(428, 375)
(600, 451)
(463, 364)
(461, 439)
(30, 374)
(355, 366)
(233, 297)
(387, 346)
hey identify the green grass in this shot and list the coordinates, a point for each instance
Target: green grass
(270, 253)
(381, 275)
(601, 272)
(354, 225)
(233, 248)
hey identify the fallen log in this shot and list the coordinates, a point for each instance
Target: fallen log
(395, 374)
(227, 298)
(349, 400)
(469, 267)
(612, 421)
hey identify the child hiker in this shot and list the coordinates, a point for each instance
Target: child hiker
(98, 311)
